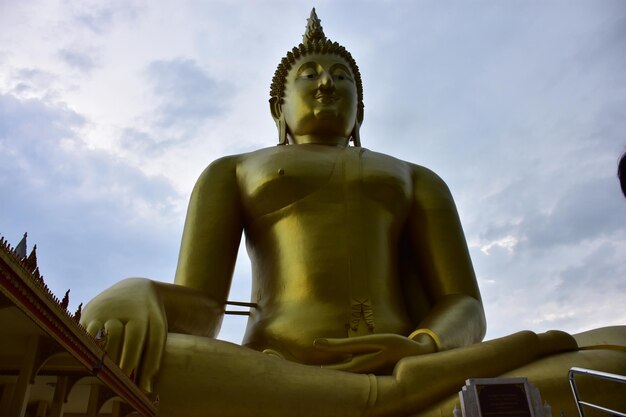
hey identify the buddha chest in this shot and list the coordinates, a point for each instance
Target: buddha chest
(273, 179)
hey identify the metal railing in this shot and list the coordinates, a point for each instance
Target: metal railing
(240, 304)
(596, 374)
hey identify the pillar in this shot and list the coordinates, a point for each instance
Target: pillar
(5, 398)
(94, 401)
(60, 392)
(17, 408)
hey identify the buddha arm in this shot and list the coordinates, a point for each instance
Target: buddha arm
(456, 317)
(137, 313)
(213, 227)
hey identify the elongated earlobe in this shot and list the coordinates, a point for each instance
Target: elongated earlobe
(282, 130)
(356, 135)
(279, 119)
(356, 138)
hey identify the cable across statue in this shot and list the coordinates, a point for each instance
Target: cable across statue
(366, 302)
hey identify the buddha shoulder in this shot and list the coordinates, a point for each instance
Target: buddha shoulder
(428, 188)
(221, 172)
(295, 171)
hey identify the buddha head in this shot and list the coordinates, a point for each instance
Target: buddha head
(317, 90)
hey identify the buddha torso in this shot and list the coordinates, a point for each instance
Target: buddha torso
(323, 226)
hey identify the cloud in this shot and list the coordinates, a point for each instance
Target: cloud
(187, 93)
(582, 289)
(82, 60)
(507, 242)
(187, 100)
(107, 215)
(587, 211)
(99, 18)
(31, 82)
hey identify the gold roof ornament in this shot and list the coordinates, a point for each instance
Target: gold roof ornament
(31, 261)
(314, 41)
(20, 249)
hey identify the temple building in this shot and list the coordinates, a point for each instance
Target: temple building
(49, 365)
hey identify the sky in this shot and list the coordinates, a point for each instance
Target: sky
(109, 111)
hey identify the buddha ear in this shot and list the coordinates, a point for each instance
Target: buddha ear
(355, 135)
(276, 108)
(279, 118)
(360, 114)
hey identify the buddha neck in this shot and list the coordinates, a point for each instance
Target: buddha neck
(327, 140)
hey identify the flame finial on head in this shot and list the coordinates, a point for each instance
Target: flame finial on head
(314, 31)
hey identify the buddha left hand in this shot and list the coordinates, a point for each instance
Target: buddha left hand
(374, 353)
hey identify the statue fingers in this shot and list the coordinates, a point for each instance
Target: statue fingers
(351, 345)
(114, 335)
(155, 346)
(134, 338)
(368, 362)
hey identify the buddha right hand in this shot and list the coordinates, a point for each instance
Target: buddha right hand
(132, 314)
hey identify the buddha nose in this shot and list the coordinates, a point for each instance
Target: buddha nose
(326, 81)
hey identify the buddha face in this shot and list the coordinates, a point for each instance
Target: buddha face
(320, 102)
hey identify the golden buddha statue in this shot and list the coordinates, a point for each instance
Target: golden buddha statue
(364, 296)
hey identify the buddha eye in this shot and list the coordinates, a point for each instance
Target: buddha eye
(308, 74)
(341, 76)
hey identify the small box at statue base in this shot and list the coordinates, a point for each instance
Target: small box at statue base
(502, 397)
